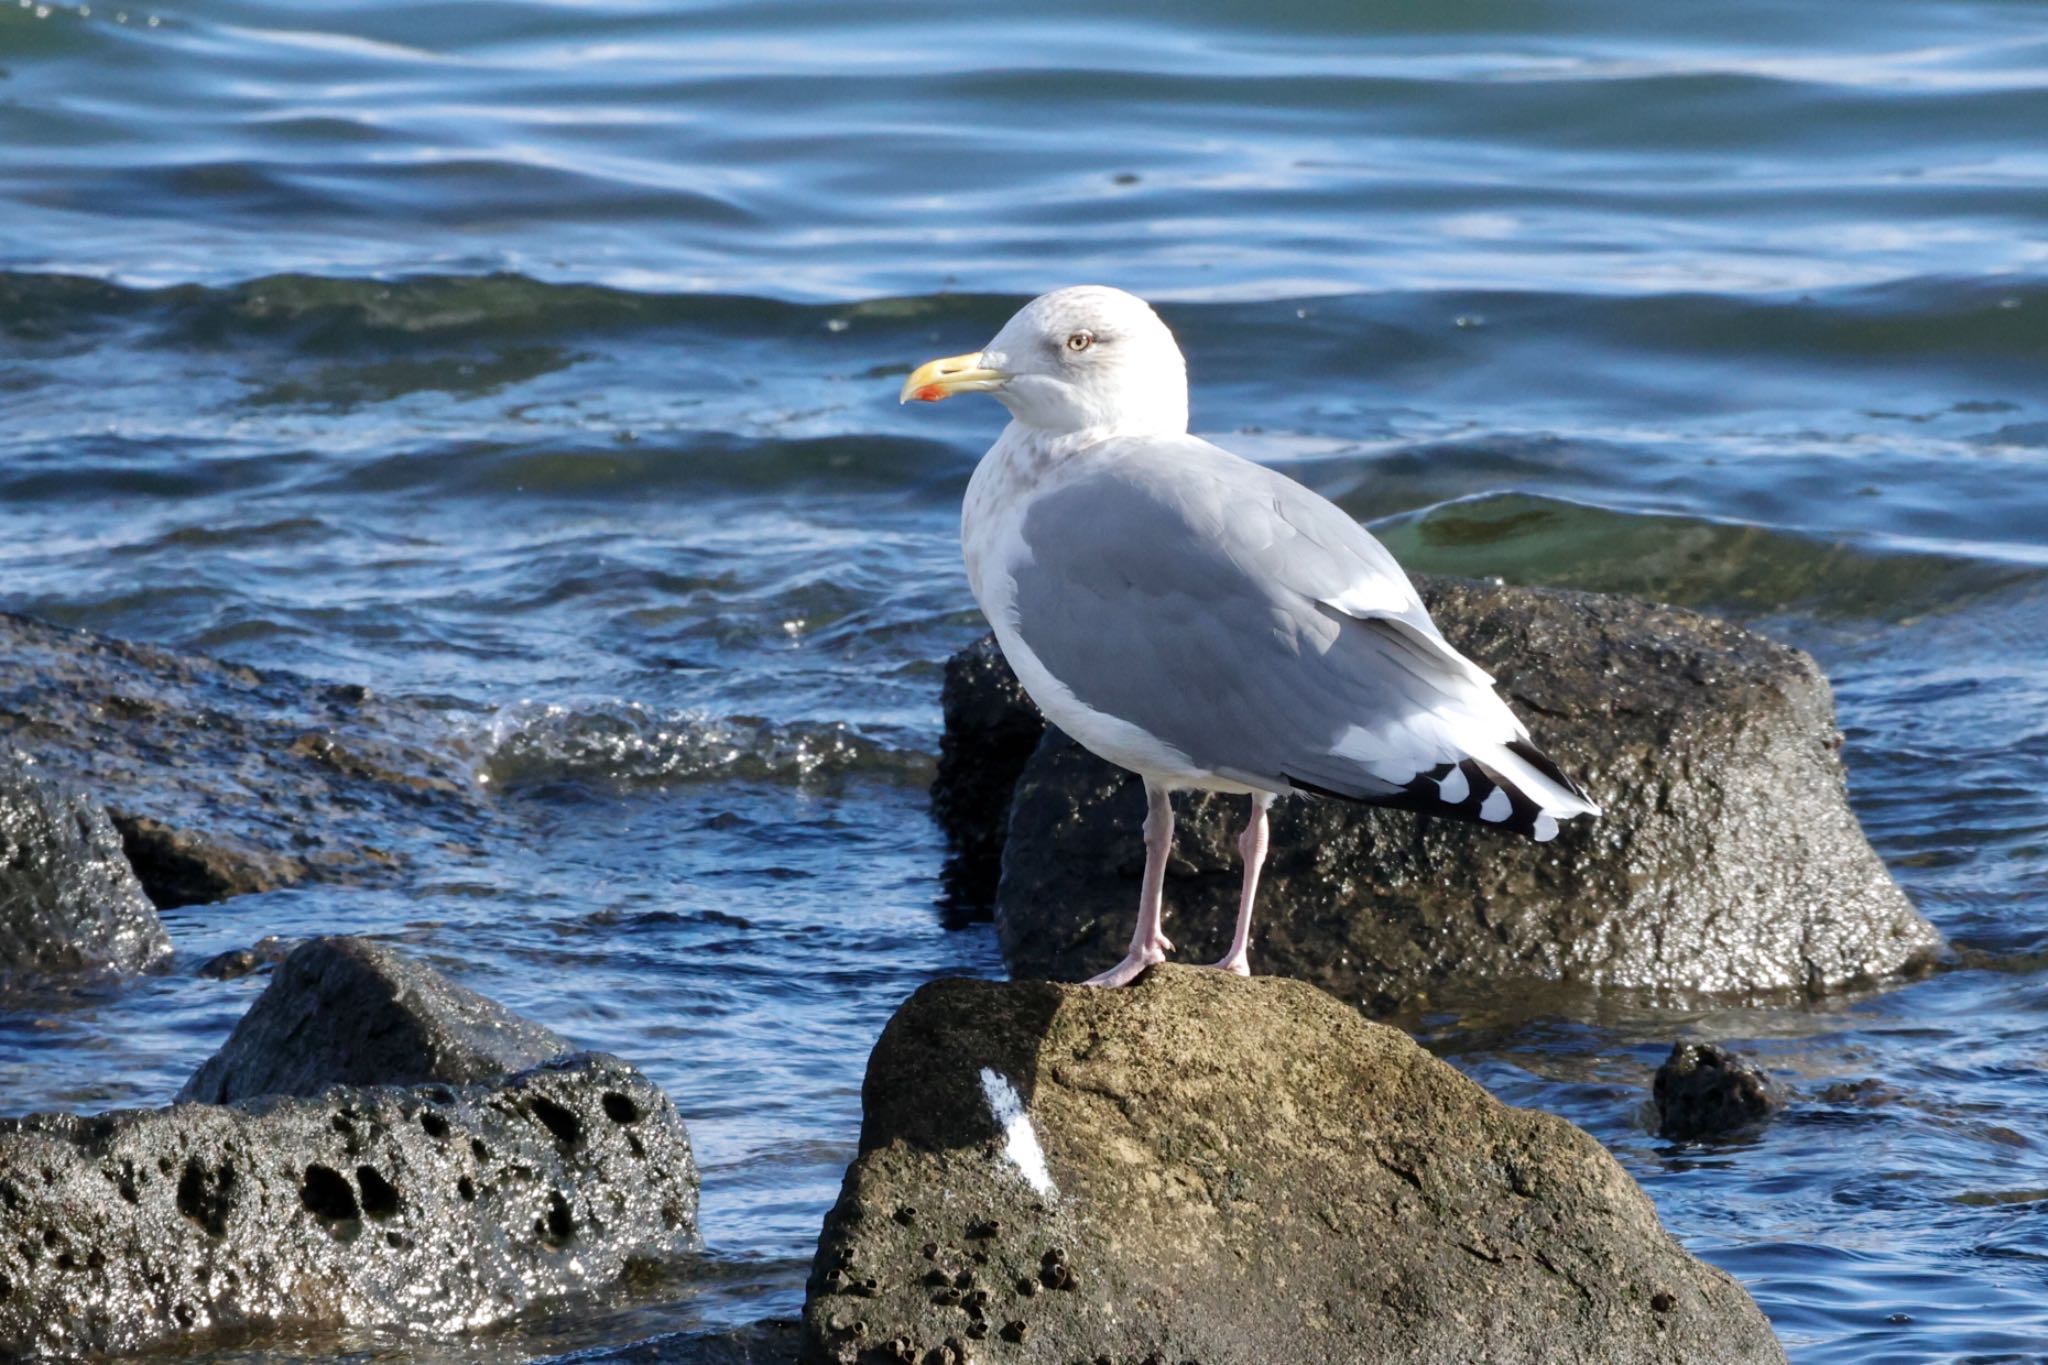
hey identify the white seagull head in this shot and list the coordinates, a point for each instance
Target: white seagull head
(1088, 358)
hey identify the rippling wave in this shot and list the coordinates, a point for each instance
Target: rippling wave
(625, 746)
(1939, 319)
(781, 148)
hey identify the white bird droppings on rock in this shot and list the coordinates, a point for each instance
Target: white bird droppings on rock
(1020, 1140)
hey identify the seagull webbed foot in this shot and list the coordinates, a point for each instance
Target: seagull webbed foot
(1132, 967)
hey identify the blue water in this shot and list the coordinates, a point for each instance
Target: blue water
(541, 359)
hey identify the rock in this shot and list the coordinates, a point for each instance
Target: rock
(68, 900)
(346, 1011)
(1868, 1093)
(1705, 1091)
(224, 779)
(181, 867)
(437, 1208)
(236, 963)
(991, 728)
(1728, 861)
(1233, 1172)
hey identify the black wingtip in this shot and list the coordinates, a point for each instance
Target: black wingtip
(1543, 763)
(1424, 794)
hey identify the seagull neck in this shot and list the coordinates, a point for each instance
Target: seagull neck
(1057, 445)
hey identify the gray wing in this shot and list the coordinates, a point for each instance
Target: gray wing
(1256, 627)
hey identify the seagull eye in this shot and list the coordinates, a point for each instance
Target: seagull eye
(1080, 341)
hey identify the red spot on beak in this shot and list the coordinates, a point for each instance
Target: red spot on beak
(930, 393)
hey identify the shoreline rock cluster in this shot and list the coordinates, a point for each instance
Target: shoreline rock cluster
(1195, 1169)
(316, 774)
(1728, 861)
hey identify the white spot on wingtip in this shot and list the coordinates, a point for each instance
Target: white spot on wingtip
(1546, 827)
(1455, 788)
(1020, 1140)
(1497, 806)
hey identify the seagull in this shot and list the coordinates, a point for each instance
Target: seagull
(1203, 621)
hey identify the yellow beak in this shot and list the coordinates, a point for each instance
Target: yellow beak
(937, 379)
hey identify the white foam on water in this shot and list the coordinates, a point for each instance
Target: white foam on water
(1020, 1140)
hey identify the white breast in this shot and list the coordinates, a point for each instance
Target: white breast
(1015, 471)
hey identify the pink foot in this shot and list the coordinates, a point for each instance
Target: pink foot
(1236, 962)
(1132, 967)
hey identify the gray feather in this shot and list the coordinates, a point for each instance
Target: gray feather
(1193, 594)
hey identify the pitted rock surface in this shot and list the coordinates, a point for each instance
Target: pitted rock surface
(1728, 861)
(1243, 1172)
(435, 1207)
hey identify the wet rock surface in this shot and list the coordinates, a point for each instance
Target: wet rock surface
(347, 1011)
(1703, 1091)
(1236, 1173)
(1728, 861)
(224, 779)
(436, 1207)
(236, 963)
(68, 900)
(991, 730)
(185, 867)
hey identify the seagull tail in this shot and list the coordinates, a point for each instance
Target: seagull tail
(1541, 781)
(1512, 786)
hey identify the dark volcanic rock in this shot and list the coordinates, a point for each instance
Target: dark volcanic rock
(346, 1011)
(438, 1207)
(224, 779)
(1705, 1091)
(1728, 860)
(68, 900)
(1240, 1172)
(991, 729)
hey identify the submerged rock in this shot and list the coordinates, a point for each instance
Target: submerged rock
(223, 779)
(1728, 860)
(346, 1011)
(186, 867)
(772, 1341)
(1233, 1172)
(1705, 1091)
(437, 1206)
(236, 963)
(68, 900)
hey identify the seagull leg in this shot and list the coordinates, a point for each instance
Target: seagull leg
(1251, 846)
(1148, 941)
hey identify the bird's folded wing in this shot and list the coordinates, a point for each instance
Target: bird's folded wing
(1240, 618)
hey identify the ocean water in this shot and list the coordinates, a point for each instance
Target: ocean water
(541, 358)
